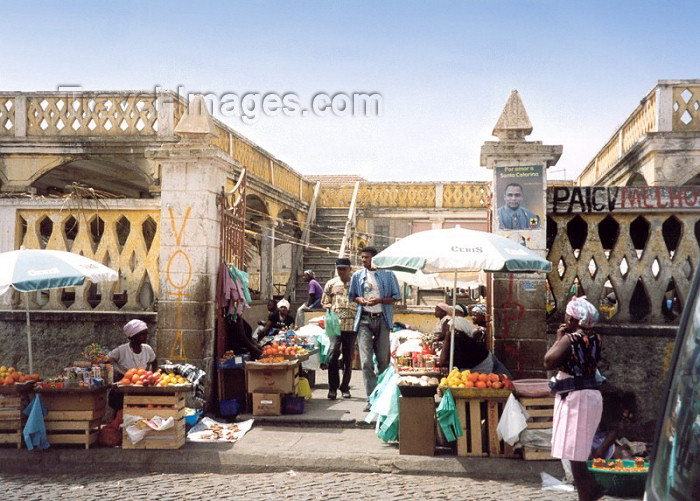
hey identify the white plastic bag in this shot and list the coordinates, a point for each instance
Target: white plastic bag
(512, 422)
(137, 427)
(549, 483)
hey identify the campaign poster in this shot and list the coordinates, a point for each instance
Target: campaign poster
(518, 198)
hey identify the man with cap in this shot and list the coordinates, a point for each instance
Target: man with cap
(375, 291)
(135, 354)
(314, 300)
(335, 297)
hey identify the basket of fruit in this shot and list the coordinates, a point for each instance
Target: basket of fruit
(474, 384)
(411, 386)
(620, 477)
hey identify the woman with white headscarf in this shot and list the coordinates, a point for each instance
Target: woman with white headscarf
(135, 354)
(578, 405)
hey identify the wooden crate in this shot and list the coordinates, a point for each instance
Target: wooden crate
(472, 411)
(11, 420)
(172, 405)
(541, 412)
(73, 415)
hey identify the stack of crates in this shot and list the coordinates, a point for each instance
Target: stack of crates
(164, 404)
(541, 412)
(11, 419)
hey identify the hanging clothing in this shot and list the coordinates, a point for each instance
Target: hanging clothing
(35, 430)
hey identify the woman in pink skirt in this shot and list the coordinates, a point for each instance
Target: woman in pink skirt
(578, 405)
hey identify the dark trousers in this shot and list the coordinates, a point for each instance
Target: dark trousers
(345, 344)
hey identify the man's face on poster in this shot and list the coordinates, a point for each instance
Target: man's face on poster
(513, 196)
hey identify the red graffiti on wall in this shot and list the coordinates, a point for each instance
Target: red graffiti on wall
(512, 312)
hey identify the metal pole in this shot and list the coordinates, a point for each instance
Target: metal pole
(452, 326)
(29, 335)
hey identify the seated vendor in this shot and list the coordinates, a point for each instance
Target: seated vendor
(135, 354)
(444, 314)
(283, 319)
(263, 328)
(470, 352)
(239, 338)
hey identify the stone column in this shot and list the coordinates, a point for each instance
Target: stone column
(518, 301)
(193, 174)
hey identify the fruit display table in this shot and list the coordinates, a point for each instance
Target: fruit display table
(475, 405)
(149, 401)
(74, 414)
(11, 418)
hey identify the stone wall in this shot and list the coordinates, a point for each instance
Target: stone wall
(58, 338)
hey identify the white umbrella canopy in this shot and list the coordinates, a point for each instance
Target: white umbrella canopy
(459, 250)
(37, 269)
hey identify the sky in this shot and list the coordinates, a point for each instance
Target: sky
(443, 69)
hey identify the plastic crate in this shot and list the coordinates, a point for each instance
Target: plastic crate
(293, 405)
(229, 407)
(621, 483)
(233, 363)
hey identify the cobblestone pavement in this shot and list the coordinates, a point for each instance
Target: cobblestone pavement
(298, 485)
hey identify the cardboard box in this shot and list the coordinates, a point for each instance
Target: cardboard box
(417, 426)
(271, 378)
(267, 404)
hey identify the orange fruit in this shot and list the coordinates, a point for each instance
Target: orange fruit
(141, 372)
(125, 380)
(469, 384)
(481, 384)
(135, 378)
(483, 377)
(9, 380)
(494, 377)
(473, 377)
(497, 385)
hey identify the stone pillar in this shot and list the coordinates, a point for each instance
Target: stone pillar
(193, 174)
(518, 301)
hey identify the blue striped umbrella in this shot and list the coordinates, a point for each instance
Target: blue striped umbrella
(38, 269)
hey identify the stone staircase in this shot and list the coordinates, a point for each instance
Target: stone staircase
(327, 232)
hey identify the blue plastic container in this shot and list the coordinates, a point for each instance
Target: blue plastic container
(192, 420)
(229, 407)
(292, 405)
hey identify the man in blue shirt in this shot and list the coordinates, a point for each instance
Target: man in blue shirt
(375, 292)
(511, 216)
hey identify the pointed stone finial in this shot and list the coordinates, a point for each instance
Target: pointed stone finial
(513, 124)
(196, 123)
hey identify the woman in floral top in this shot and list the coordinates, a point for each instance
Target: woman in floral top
(578, 405)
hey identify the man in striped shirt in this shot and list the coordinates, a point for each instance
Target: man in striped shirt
(375, 292)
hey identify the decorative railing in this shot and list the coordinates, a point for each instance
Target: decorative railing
(671, 106)
(461, 195)
(7, 116)
(407, 195)
(133, 114)
(632, 251)
(125, 240)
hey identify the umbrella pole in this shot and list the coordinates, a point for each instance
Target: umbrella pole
(452, 325)
(29, 335)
